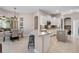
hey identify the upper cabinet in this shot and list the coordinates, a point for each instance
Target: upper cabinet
(44, 22)
(44, 19)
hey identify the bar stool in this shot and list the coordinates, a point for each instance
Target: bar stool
(0, 48)
(31, 41)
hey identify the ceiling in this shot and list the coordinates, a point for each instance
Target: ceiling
(31, 9)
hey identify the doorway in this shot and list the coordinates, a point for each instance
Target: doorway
(67, 25)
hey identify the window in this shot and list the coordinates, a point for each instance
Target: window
(5, 23)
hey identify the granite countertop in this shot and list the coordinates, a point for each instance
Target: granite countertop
(45, 33)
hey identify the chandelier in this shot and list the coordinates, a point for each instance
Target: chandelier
(14, 17)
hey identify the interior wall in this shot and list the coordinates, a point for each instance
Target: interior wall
(27, 23)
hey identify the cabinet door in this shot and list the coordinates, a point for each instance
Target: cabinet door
(77, 45)
(46, 43)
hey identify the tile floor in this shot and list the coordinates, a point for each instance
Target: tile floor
(63, 47)
(21, 46)
(16, 46)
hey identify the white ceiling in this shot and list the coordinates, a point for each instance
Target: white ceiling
(31, 9)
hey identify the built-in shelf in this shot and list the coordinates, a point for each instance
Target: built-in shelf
(67, 26)
(21, 26)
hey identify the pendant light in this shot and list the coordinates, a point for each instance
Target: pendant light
(15, 17)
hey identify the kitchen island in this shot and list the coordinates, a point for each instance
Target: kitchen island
(42, 42)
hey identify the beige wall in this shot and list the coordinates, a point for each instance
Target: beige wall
(28, 23)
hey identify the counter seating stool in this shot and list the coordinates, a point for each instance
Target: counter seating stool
(0, 48)
(31, 41)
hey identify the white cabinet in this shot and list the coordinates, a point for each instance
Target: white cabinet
(44, 19)
(56, 21)
(42, 43)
